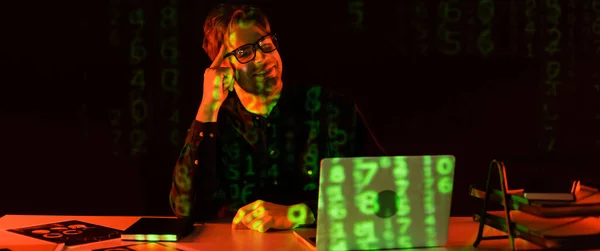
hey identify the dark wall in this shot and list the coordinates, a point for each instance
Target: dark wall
(432, 77)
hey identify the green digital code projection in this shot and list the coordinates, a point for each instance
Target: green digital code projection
(485, 14)
(311, 156)
(238, 190)
(138, 107)
(420, 15)
(338, 136)
(551, 73)
(530, 26)
(356, 11)
(448, 30)
(169, 54)
(114, 38)
(384, 202)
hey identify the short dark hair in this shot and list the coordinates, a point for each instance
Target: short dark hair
(221, 18)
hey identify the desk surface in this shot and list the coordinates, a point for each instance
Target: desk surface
(220, 236)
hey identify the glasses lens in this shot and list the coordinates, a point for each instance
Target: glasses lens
(268, 44)
(244, 54)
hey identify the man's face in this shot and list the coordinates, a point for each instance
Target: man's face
(261, 75)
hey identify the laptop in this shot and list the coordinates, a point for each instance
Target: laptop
(158, 229)
(371, 203)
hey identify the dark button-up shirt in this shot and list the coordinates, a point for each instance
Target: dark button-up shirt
(244, 157)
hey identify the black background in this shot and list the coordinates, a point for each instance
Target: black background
(61, 79)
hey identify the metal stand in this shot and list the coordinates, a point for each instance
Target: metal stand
(505, 199)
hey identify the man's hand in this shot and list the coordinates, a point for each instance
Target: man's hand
(218, 82)
(262, 216)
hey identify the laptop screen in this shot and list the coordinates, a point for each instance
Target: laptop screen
(384, 202)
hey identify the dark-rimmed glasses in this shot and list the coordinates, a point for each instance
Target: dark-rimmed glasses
(246, 53)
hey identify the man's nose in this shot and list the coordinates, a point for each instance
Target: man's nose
(260, 56)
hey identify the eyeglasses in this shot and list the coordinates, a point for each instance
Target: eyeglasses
(246, 53)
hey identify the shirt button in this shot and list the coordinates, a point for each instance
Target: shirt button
(272, 152)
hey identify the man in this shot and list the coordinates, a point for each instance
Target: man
(255, 146)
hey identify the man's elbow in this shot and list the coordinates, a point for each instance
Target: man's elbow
(180, 204)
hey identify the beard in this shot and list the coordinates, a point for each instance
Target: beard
(260, 85)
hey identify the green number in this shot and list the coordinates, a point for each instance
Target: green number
(337, 174)
(445, 185)
(444, 166)
(367, 202)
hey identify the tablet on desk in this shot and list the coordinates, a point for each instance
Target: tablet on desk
(158, 229)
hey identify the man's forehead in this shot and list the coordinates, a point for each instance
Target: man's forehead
(244, 34)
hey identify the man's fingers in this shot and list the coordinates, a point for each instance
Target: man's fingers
(256, 204)
(266, 224)
(247, 219)
(248, 208)
(228, 80)
(219, 59)
(239, 216)
(252, 206)
(247, 213)
(256, 214)
(257, 221)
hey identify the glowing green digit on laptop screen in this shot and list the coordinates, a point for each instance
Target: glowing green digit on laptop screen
(384, 202)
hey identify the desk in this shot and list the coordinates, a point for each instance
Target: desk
(219, 236)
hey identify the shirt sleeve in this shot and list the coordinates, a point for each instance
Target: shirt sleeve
(195, 170)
